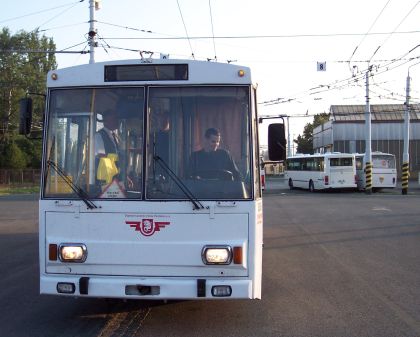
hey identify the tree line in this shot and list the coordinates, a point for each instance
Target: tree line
(22, 71)
(304, 142)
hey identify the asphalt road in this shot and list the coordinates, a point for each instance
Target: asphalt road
(335, 264)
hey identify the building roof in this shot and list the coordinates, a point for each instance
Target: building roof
(379, 112)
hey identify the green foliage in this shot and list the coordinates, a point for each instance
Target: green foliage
(305, 142)
(22, 72)
(12, 157)
(32, 150)
(320, 119)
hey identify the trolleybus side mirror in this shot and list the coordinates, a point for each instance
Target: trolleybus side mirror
(276, 142)
(25, 112)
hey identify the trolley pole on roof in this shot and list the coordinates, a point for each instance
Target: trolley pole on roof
(368, 145)
(406, 153)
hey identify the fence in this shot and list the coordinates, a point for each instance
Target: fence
(27, 177)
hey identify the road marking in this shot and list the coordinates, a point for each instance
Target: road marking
(382, 209)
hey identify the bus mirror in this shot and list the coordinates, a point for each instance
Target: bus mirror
(276, 142)
(25, 111)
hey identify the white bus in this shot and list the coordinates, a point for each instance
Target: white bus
(384, 171)
(127, 217)
(321, 171)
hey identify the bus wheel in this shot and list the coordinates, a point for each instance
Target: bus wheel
(311, 186)
(291, 184)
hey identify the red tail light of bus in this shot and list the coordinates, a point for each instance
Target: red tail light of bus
(326, 180)
(263, 179)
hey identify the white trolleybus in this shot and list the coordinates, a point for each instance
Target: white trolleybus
(322, 171)
(151, 183)
(384, 171)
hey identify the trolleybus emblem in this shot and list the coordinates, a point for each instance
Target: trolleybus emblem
(147, 227)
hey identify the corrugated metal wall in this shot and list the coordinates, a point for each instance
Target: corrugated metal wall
(388, 131)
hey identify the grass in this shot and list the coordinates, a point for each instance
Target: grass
(6, 190)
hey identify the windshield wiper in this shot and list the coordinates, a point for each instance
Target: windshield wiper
(76, 189)
(197, 204)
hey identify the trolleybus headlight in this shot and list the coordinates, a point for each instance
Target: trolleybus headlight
(216, 254)
(72, 252)
(66, 288)
(221, 291)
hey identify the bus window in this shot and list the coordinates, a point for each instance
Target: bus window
(383, 161)
(344, 161)
(95, 140)
(189, 113)
(359, 163)
(320, 164)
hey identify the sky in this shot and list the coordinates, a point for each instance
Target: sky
(281, 41)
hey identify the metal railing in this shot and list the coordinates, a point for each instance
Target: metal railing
(25, 177)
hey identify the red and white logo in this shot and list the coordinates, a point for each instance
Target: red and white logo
(147, 227)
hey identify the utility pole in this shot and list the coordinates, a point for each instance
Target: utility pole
(368, 145)
(93, 5)
(406, 153)
(289, 152)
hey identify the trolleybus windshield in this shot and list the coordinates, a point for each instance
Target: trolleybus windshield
(106, 141)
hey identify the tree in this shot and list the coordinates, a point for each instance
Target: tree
(21, 72)
(305, 142)
(32, 148)
(13, 157)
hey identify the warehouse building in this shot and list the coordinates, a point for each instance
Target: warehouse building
(346, 131)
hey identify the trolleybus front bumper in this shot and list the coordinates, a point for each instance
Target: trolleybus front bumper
(146, 288)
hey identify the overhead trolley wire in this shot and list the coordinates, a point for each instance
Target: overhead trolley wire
(39, 12)
(367, 33)
(395, 29)
(126, 27)
(232, 37)
(347, 82)
(212, 31)
(185, 27)
(60, 27)
(59, 14)
(338, 85)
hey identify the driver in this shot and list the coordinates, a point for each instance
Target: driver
(211, 162)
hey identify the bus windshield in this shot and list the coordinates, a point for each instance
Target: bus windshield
(149, 142)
